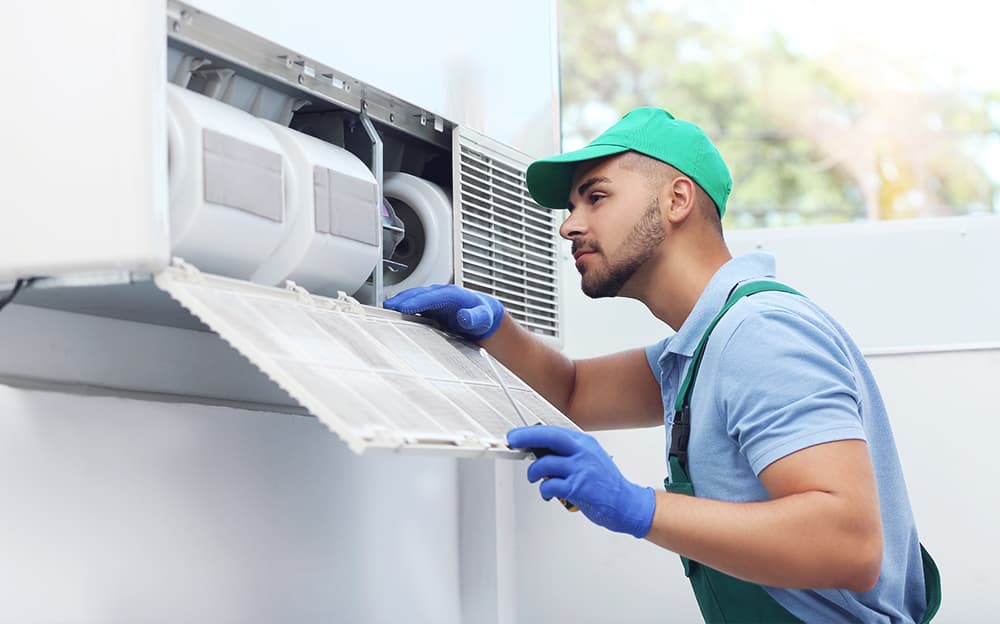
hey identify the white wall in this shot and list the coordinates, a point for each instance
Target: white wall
(116, 510)
(904, 291)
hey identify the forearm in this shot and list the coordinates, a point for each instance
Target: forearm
(609, 392)
(811, 539)
(543, 368)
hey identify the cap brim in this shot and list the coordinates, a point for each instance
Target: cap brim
(549, 179)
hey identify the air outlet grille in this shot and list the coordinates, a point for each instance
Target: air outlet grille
(507, 243)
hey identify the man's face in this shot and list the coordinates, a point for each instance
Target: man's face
(614, 223)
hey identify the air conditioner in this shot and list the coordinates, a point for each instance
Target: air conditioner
(276, 202)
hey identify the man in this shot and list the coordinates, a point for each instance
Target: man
(799, 511)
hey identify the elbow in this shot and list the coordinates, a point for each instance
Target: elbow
(861, 545)
(864, 580)
(866, 565)
(568, 405)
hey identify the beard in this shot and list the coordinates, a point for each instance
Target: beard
(638, 247)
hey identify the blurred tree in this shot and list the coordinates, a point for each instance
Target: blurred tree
(840, 138)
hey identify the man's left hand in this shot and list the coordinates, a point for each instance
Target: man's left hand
(578, 470)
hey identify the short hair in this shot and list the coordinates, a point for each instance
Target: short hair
(658, 173)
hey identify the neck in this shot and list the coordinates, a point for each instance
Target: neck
(671, 282)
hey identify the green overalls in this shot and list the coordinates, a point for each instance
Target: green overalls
(723, 598)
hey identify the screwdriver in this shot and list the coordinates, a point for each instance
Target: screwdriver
(537, 452)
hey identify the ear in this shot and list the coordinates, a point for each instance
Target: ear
(677, 199)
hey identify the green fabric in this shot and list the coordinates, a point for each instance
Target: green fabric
(650, 131)
(723, 598)
(932, 584)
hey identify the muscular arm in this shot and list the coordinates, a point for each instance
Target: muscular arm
(611, 392)
(822, 527)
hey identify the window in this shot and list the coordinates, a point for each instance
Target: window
(826, 112)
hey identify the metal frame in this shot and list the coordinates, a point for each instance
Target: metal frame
(378, 275)
(212, 36)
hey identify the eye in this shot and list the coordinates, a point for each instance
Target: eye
(596, 197)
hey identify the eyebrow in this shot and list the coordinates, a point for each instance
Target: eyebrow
(589, 182)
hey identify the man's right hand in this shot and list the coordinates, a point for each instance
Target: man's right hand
(469, 314)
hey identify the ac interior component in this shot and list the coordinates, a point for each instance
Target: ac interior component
(502, 242)
(226, 181)
(333, 240)
(393, 232)
(425, 250)
(377, 379)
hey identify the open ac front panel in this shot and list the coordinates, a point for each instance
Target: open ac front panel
(377, 379)
(299, 199)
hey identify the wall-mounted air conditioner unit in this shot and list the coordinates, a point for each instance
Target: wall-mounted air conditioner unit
(222, 182)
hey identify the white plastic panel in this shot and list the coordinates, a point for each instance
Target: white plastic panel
(83, 132)
(375, 378)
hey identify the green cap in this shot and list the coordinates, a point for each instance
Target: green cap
(650, 131)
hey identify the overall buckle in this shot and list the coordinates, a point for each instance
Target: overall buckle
(680, 432)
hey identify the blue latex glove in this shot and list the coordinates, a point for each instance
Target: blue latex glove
(580, 471)
(469, 314)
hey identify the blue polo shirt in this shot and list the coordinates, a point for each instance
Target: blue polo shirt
(780, 375)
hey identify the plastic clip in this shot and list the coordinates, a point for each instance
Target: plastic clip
(386, 437)
(187, 270)
(350, 303)
(303, 295)
(472, 439)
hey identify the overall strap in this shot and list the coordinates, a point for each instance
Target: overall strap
(681, 429)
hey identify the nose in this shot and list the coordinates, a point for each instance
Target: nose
(573, 226)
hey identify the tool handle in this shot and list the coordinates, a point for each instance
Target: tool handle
(542, 452)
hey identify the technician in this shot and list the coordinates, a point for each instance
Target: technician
(785, 497)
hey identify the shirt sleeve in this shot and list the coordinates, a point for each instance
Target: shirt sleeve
(786, 385)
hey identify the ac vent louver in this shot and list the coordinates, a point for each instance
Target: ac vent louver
(507, 243)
